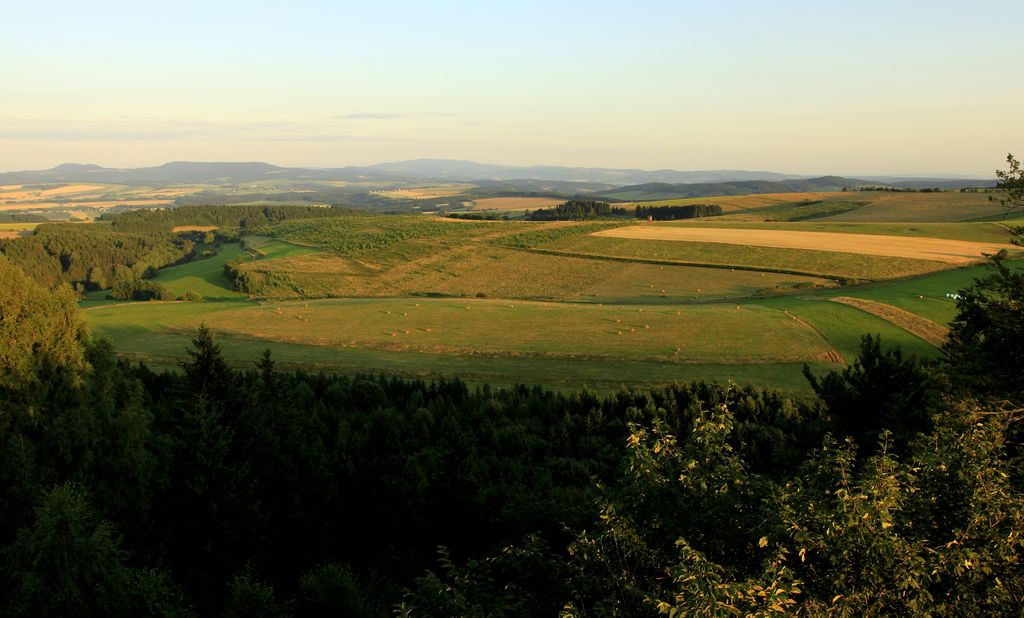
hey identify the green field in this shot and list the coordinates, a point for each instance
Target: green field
(203, 276)
(925, 296)
(557, 343)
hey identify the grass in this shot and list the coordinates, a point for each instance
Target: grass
(555, 344)
(925, 296)
(550, 343)
(844, 326)
(203, 276)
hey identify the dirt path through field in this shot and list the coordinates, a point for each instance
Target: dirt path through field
(941, 250)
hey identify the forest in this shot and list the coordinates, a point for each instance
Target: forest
(216, 491)
(130, 247)
(576, 210)
(671, 213)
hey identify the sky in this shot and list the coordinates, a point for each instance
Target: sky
(802, 87)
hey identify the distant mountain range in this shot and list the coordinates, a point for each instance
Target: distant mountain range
(660, 190)
(415, 170)
(447, 169)
(419, 170)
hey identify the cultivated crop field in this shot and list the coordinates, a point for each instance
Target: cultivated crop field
(918, 248)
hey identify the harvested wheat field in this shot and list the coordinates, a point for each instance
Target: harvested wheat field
(940, 250)
(515, 203)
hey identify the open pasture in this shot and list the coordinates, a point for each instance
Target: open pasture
(528, 329)
(917, 248)
(548, 343)
(556, 344)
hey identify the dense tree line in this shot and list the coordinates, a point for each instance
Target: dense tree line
(233, 217)
(126, 248)
(671, 213)
(576, 210)
(92, 256)
(478, 216)
(223, 491)
(22, 218)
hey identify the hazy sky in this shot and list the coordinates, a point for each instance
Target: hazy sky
(804, 87)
